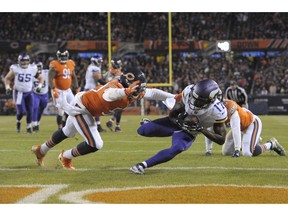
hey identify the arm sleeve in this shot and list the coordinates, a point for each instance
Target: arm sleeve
(236, 130)
(113, 94)
(157, 94)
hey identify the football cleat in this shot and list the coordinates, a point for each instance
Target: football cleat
(36, 128)
(208, 153)
(109, 124)
(100, 129)
(144, 121)
(118, 129)
(137, 169)
(40, 157)
(65, 162)
(236, 153)
(18, 127)
(29, 130)
(277, 147)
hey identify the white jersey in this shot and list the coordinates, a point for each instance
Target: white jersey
(89, 77)
(214, 113)
(44, 89)
(24, 77)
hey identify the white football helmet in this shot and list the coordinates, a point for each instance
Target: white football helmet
(23, 60)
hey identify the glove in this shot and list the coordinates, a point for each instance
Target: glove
(55, 93)
(8, 91)
(195, 127)
(132, 89)
(38, 88)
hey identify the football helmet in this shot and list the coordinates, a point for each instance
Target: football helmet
(116, 64)
(97, 61)
(203, 93)
(62, 56)
(23, 60)
(39, 65)
(131, 75)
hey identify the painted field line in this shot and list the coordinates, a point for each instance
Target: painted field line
(158, 168)
(41, 195)
(77, 197)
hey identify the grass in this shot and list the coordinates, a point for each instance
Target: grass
(108, 168)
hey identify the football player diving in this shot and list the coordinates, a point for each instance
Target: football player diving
(102, 100)
(200, 100)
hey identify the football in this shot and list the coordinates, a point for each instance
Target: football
(191, 120)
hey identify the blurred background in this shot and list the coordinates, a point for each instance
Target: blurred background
(173, 49)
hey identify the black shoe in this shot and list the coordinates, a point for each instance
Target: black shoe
(35, 129)
(236, 153)
(18, 127)
(109, 124)
(118, 129)
(208, 153)
(100, 129)
(29, 131)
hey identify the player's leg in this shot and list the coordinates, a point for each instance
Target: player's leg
(36, 105)
(251, 138)
(228, 146)
(161, 127)
(87, 128)
(28, 102)
(57, 137)
(20, 108)
(118, 116)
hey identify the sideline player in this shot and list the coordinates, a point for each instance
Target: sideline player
(62, 77)
(40, 98)
(23, 74)
(93, 78)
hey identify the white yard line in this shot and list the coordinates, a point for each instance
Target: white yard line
(41, 195)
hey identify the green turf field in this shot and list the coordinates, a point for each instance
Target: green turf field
(109, 167)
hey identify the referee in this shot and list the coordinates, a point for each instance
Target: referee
(237, 94)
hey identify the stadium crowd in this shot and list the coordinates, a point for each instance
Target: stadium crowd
(258, 75)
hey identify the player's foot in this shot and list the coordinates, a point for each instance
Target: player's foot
(18, 127)
(144, 121)
(36, 128)
(109, 124)
(137, 169)
(277, 147)
(100, 129)
(29, 130)
(40, 157)
(66, 163)
(208, 153)
(118, 129)
(236, 153)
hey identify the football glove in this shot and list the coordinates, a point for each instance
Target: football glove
(38, 88)
(8, 91)
(132, 89)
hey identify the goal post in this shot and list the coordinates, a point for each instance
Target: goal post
(170, 69)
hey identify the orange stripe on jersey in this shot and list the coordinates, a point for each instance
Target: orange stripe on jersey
(97, 106)
(254, 135)
(63, 77)
(85, 129)
(246, 117)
